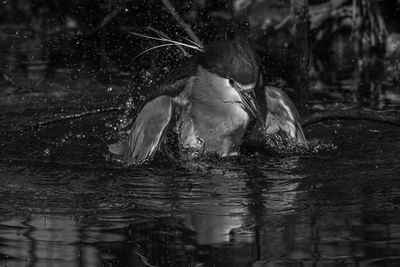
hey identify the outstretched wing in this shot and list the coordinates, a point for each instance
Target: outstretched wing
(282, 115)
(147, 132)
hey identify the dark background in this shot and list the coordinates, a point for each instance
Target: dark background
(306, 46)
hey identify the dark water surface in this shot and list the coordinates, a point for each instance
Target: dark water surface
(65, 202)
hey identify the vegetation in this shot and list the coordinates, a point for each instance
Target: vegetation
(303, 44)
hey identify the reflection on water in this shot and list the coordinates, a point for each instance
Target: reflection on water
(338, 207)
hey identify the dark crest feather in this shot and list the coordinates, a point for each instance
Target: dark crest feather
(233, 59)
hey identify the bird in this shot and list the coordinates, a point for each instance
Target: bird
(211, 101)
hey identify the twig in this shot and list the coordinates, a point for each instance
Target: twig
(360, 114)
(184, 25)
(106, 20)
(76, 116)
(284, 22)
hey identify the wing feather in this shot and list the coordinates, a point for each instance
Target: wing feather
(147, 132)
(283, 115)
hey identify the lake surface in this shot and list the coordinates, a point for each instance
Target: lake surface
(64, 201)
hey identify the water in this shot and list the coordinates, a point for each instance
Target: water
(64, 201)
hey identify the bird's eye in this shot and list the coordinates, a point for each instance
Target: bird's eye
(232, 82)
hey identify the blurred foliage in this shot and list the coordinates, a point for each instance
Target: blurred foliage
(297, 39)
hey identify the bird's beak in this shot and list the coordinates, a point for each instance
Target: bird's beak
(249, 101)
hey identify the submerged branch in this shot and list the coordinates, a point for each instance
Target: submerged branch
(353, 114)
(77, 116)
(359, 114)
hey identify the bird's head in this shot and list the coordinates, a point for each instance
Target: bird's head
(236, 61)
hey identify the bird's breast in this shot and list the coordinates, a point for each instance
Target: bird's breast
(215, 119)
(214, 129)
